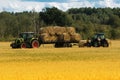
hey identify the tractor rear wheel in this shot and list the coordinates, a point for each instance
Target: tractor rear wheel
(23, 45)
(105, 44)
(35, 44)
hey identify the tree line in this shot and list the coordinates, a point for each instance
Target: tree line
(87, 21)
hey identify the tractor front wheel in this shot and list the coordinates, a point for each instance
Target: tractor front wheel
(35, 44)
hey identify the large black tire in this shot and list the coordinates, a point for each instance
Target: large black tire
(65, 45)
(35, 44)
(105, 44)
(88, 44)
(23, 45)
(96, 44)
(57, 45)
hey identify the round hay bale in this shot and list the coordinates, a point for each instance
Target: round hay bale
(66, 37)
(59, 30)
(53, 38)
(42, 30)
(44, 37)
(70, 30)
(75, 37)
(48, 30)
(60, 38)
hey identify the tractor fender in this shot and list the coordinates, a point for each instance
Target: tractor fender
(35, 43)
(19, 40)
(33, 40)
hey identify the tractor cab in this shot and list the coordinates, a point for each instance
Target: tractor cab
(27, 35)
(99, 36)
(26, 40)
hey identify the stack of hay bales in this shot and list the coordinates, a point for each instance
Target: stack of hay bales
(57, 33)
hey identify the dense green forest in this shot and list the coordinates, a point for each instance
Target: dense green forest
(86, 21)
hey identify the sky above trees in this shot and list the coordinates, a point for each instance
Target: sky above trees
(38, 5)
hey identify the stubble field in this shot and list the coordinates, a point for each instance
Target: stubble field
(49, 63)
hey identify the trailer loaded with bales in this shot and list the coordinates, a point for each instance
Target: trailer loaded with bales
(59, 36)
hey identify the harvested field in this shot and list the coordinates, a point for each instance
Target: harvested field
(49, 63)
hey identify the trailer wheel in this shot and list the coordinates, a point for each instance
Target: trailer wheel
(23, 45)
(35, 44)
(65, 45)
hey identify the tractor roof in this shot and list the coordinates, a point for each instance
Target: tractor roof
(27, 32)
(99, 33)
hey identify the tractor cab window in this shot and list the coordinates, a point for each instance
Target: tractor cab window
(26, 35)
(31, 35)
(102, 36)
(22, 35)
(95, 37)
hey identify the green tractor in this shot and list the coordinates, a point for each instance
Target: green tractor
(26, 40)
(98, 40)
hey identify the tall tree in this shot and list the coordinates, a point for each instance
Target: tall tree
(54, 16)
